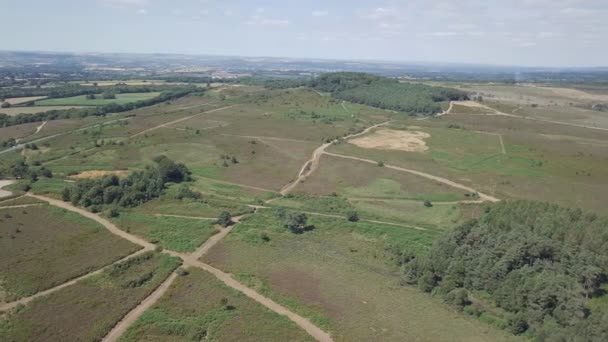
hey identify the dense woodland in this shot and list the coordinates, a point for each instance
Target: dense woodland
(545, 267)
(386, 93)
(168, 93)
(137, 188)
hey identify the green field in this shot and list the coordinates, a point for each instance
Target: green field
(337, 275)
(178, 234)
(98, 101)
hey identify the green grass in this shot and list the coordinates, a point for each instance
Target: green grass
(98, 101)
(177, 234)
(88, 310)
(340, 276)
(192, 308)
(43, 246)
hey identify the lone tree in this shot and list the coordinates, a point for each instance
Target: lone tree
(225, 219)
(90, 96)
(352, 216)
(5, 105)
(296, 222)
(428, 203)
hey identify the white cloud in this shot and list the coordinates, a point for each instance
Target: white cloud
(320, 13)
(142, 11)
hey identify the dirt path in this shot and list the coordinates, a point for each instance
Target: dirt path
(134, 314)
(376, 199)
(447, 111)
(212, 241)
(25, 300)
(227, 279)
(21, 206)
(313, 163)
(512, 115)
(265, 138)
(187, 217)
(107, 224)
(3, 183)
(189, 260)
(423, 174)
(237, 184)
(20, 146)
(167, 124)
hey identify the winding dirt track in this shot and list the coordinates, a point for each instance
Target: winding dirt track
(167, 124)
(132, 316)
(313, 163)
(453, 184)
(3, 183)
(189, 260)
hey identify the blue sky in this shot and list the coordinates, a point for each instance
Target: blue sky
(511, 32)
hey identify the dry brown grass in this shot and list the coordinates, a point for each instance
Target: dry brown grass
(99, 174)
(389, 139)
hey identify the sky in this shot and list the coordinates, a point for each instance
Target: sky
(498, 32)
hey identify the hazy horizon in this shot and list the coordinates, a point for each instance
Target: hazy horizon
(527, 33)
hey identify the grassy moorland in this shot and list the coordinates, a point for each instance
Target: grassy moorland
(198, 306)
(88, 310)
(42, 246)
(337, 275)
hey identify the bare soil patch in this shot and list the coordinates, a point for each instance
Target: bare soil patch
(18, 100)
(388, 139)
(99, 174)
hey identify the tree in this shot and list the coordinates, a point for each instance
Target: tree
(90, 96)
(296, 222)
(5, 105)
(428, 203)
(108, 95)
(222, 97)
(225, 219)
(352, 216)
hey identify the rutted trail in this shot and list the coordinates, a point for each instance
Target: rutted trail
(134, 314)
(188, 260)
(423, 174)
(166, 124)
(107, 224)
(313, 163)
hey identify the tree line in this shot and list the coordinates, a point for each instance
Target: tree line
(111, 192)
(385, 93)
(170, 94)
(541, 264)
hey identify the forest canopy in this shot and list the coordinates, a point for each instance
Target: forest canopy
(542, 264)
(385, 93)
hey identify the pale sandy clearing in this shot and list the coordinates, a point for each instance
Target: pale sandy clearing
(3, 183)
(471, 104)
(99, 174)
(389, 139)
(18, 100)
(576, 94)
